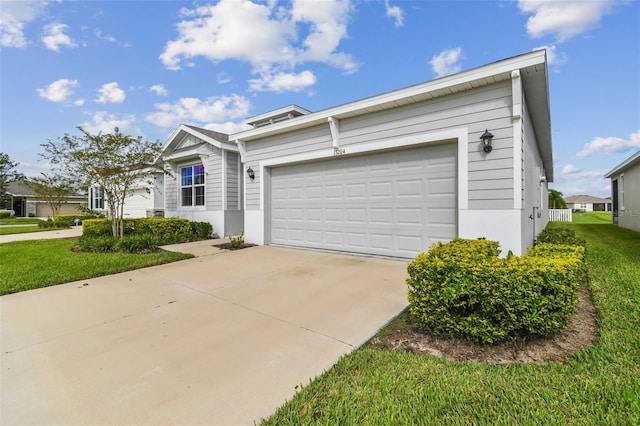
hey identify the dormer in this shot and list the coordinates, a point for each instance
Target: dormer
(276, 116)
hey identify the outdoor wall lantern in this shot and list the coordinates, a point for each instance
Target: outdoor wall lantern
(251, 174)
(486, 141)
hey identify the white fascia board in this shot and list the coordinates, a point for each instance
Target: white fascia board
(624, 165)
(197, 152)
(480, 73)
(277, 112)
(182, 128)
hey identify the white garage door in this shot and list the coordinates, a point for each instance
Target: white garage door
(393, 203)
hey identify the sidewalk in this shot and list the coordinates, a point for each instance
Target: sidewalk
(75, 231)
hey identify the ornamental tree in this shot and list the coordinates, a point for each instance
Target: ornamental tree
(115, 162)
(8, 174)
(53, 188)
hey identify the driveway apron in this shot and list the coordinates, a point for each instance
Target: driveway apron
(225, 338)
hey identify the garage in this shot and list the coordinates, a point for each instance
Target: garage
(395, 203)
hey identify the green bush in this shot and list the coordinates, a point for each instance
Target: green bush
(5, 215)
(96, 244)
(65, 220)
(96, 228)
(137, 244)
(164, 230)
(464, 288)
(560, 236)
(236, 242)
(31, 214)
(201, 230)
(45, 224)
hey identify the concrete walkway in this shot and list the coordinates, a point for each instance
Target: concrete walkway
(75, 231)
(222, 339)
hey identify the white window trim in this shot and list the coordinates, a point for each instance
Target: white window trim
(621, 192)
(179, 185)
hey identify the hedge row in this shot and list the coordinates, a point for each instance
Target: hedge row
(464, 288)
(64, 220)
(163, 230)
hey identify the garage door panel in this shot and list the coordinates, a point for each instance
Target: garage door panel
(393, 203)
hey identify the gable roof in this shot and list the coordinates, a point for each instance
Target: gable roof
(533, 72)
(574, 199)
(629, 162)
(217, 139)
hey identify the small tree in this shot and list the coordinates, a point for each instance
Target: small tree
(112, 161)
(8, 174)
(555, 200)
(54, 189)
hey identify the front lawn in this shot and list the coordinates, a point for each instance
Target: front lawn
(20, 221)
(592, 217)
(597, 385)
(26, 265)
(7, 230)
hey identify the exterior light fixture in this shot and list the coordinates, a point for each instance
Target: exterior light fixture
(486, 141)
(251, 174)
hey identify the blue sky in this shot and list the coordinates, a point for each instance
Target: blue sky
(147, 66)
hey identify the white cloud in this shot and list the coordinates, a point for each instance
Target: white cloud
(282, 82)
(223, 78)
(573, 181)
(110, 93)
(59, 90)
(54, 37)
(554, 56)
(265, 35)
(99, 34)
(610, 145)
(564, 19)
(395, 13)
(447, 62)
(103, 122)
(14, 15)
(190, 110)
(159, 90)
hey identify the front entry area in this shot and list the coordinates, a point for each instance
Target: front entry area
(392, 203)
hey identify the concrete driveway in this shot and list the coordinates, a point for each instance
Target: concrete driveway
(221, 339)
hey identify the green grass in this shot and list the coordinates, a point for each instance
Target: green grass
(592, 217)
(596, 386)
(8, 230)
(26, 265)
(20, 221)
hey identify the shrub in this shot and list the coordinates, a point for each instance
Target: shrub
(96, 244)
(236, 242)
(66, 220)
(136, 244)
(5, 215)
(201, 230)
(560, 236)
(96, 228)
(46, 224)
(31, 214)
(463, 288)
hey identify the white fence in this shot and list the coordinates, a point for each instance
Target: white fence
(560, 215)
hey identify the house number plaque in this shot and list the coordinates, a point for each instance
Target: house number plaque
(338, 151)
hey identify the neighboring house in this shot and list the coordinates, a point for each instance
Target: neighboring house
(625, 192)
(206, 179)
(587, 203)
(25, 202)
(146, 199)
(392, 174)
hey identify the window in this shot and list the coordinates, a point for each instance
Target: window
(192, 185)
(96, 198)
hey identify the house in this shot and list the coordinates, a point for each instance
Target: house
(625, 192)
(467, 155)
(146, 199)
(206, 179)
(587, 203)
(25, 202)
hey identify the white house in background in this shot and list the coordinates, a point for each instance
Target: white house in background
(146, 200)
(206, 179)
(625, 192)
(392, 174)
(587, 203)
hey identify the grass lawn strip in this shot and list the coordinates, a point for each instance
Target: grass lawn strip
(597, 385)
(27, 265)
(8, 230)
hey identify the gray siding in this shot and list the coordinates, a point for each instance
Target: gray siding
(213, 190)
(171, 192)
(491, 176)
(233, 182)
